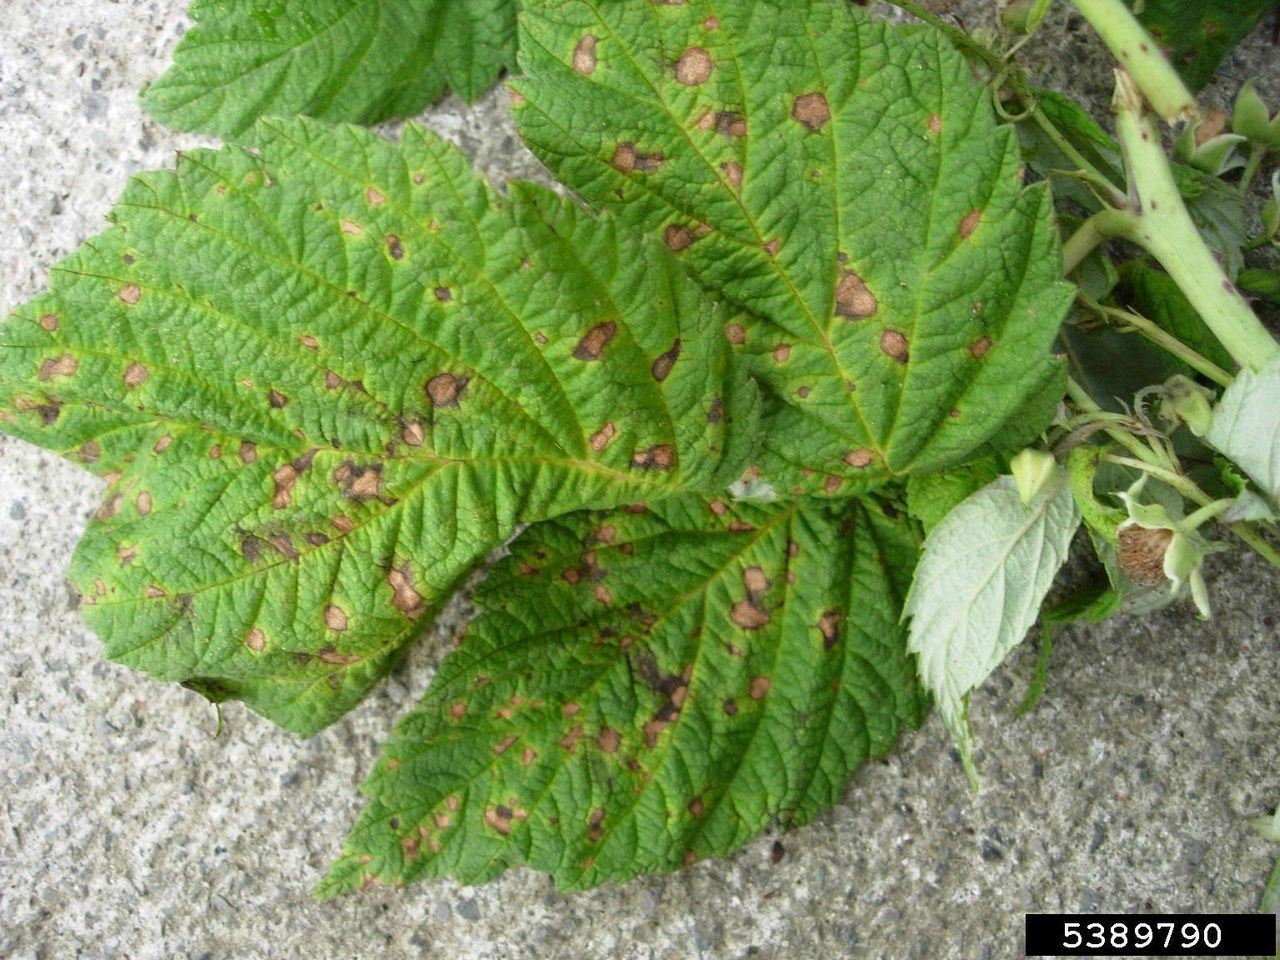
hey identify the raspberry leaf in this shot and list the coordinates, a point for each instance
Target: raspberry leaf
(903, 286)
(324, 379)
(645, 688)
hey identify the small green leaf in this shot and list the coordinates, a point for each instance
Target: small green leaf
(358, 60)
(325, 379)
(902, 288)
(1246, 427)
(1154, 294)
(931, 496)
(977, 591)
(648, 688)
(1197, 34)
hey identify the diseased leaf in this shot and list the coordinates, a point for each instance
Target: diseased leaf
(903, 288)
(325, 379)
(646, 688)
(357, 60)
(1246, 427)
(1197, 34)
(983, 574)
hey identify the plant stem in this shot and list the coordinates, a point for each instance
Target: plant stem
(1080, 397)
(1165, 341)
(1141, 56)
(1094, 175)
(1157, 220)
(1256, 153)
(1259, 546)
(1176, 480)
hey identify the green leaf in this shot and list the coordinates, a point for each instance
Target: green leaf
(358, 60)
(902, 287)
(1154, 294)
(325, 379)
(982, 576)
(1263, 283)
(1197, 34)
(931, 496)
(646, 688)
(1246, 427)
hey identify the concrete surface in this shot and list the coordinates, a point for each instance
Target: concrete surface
(128, 830)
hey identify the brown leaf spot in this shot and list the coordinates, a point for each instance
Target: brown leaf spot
(696, 808)
(335, 618)
(527, 756)
(395, 247)
(351, 228)
(595, 825)
(457, 710)
(444, 389)
(678, 237)
(980, 347)
(63, 366)
(730, 707)
(374, 196)
(285, 476)
(853, 299)
(571, 709)
(130, 293)
(661, 367)
(781, 352)
(505, 744)
(49, 321)
(894, 344)
(829, 627)
(760, 687)
(316, 538)
(330, 655)
(754, 580)
(1140, 552)
(135, 375)
(256, 640)
(584, 55)
(591, 347)
(126, 554)
(153, 592)
(812, 110)
(143, 503)
(832, 483)
(343, 524)
(248, 451)
(360, 483)
(404, 597)
(499, 818)
(690, 858)
(162, 444)
(733, 173)
(443, 294)
(331, 380)
(694, 67)
(412, 433)
(109, 507)
(659, 457)
(609, 740)
(308, 341)
(735, 333)
(858, 458)
(748, 616)
(215, 452)
(90, 451)
(570, 740)
(603, 595)
(600, 438)
(969, 224)
(731, 125)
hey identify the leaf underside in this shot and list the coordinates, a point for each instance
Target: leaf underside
(325, 379)
(643, 689)
(844, 182)
(353, 60)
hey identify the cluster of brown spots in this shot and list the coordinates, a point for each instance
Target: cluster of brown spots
(413, 434)
(248, 451)
(505, 744)
(678, 237)
(627, 158)
(135, 375)
(130, 293)
(443, 294)
(500, 817)
(759, 688)
(853, 300)
(894, 344)
(659, 457)
(445, 389)
(736, 334)
(570, 740)
(90, 451)
(731, 125)
(811, 109)
(591, 346)
(858, 458)
(143, 502)
(750, 613)
(351, 228)
(126, 554)
(49, 321)
(584, 55)
(694, 67)
(359, 483)
(404, 597)
(595, 825)
(374, 196)
(781, 353)
(109, 507)
(330, 655)
(1140, 552)
(395, 247)
(256, 640)
(674, 687)
(829, 627)
(286, 475)
(979, 347)
(661, 367)
(969, 224)
(335, 618)
(63, 366)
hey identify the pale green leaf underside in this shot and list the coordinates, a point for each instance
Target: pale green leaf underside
(645, 689)
(357, 60)
(325, 380)
(1246, 427)
(842, 180)
(983, 574)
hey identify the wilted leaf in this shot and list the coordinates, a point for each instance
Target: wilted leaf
(358, 60)
(325, 380)
(842, 180)
(646, 689)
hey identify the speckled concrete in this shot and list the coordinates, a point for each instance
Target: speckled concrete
(127, 829)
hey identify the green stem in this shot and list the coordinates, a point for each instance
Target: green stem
(1206, 513)
(1080, 397)
(1080, 244)
(1175, 480)
(1249, 535)
(954, 34)
(1093, 174)
(1157, 220)
(1141, 56)
(1165, 341)
(1256, 153)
